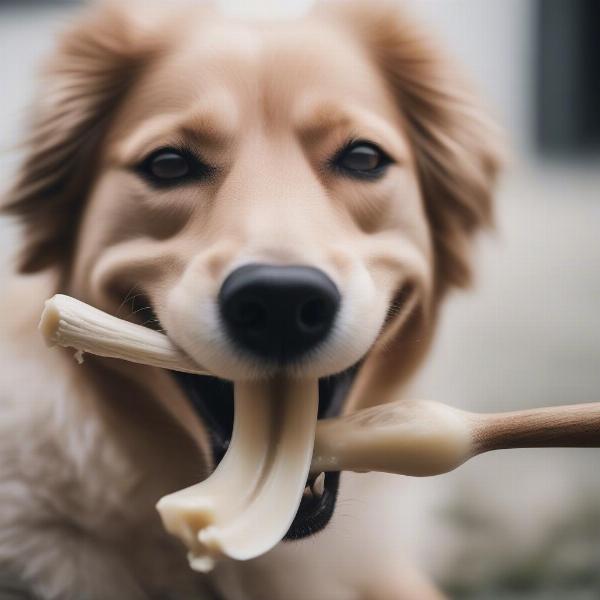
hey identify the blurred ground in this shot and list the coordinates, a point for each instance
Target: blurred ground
(518, 524)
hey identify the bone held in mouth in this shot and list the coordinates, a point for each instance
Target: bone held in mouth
(74, 324)
(246, 506)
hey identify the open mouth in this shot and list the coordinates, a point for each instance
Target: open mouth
(212, 399)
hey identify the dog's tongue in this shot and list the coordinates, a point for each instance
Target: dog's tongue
(247, 505)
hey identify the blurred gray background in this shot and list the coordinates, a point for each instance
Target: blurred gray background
(515, 524)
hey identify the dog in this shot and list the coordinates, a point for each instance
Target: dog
(277, 197)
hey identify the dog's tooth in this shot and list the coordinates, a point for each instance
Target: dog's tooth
(318, 486)
(307, 494)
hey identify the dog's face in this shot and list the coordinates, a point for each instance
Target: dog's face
(292, 197)
(242, 148)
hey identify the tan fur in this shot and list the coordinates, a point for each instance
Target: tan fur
(86, 451)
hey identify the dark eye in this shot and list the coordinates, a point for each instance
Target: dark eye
(170, 166)
(362, 159)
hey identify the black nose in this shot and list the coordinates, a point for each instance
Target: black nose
(278, 313)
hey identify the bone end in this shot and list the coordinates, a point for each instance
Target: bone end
(185, 517)
(50, 322)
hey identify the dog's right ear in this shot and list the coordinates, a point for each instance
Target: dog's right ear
(93, 67)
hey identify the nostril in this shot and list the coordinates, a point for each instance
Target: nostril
(313, 315)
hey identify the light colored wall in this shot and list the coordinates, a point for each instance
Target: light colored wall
(494, 40)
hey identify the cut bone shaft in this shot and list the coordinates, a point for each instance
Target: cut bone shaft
(74, 324)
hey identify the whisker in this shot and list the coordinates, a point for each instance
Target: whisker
(127, 298)
(140, 310)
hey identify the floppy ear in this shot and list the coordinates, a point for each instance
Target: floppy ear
(93, 67)
(458, 155)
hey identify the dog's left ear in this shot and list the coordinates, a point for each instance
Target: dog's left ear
(84, 81)
(458, 154)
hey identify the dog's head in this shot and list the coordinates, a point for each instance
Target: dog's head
(277, 197)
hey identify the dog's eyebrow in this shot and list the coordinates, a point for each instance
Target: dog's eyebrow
(318, 122)
(207, 129)
(325, 119)
(213, 127)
